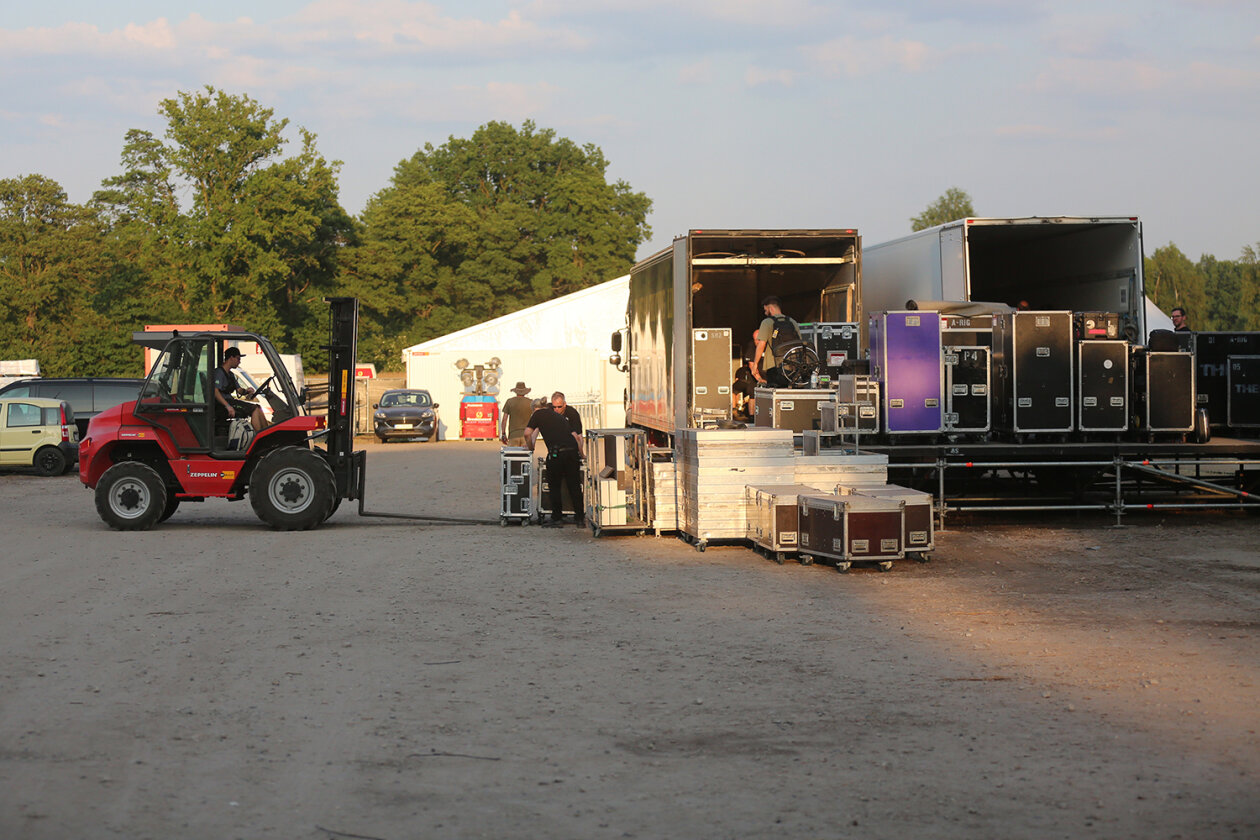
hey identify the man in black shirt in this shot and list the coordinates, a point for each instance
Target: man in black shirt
(226, 406)
(564, 455)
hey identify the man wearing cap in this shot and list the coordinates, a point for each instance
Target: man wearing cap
(225, 385)
(764, 364)
(516, 414)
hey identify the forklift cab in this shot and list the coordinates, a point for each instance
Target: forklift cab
(178, 395)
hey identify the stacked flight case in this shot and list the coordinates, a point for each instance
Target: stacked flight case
(919, 525)
(1032, 363)
(1102, 385)
(517, 470)
(1244, 392)
(773, 517)
(1213, 351)
(714, 465)
(836, 345)
(790, 408)
(711, 376)
(1164, 391)
(847, 529)
(967, 387)
(906, 363)
(542, 493)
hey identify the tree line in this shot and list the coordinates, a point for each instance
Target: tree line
(216, 221)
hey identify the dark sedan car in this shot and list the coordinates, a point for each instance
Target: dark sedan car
(405, 413)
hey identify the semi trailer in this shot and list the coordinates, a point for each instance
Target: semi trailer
(1072, 263)
(709, 281)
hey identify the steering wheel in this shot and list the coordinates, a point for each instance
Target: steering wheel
(261, 389)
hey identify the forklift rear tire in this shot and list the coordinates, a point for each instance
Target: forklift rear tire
(172, 505)
(131, 496)
(292, 489)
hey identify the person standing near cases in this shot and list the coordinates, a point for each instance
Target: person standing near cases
(764, 364)
(516, 413)
(1178, 316)
(564, 457)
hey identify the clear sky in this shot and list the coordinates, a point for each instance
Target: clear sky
(727, 113)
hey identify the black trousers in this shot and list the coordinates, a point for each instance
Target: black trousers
(565, 466)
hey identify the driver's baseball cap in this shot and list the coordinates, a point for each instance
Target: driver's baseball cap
(231, 351)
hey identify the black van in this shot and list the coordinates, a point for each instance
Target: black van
(87, 396)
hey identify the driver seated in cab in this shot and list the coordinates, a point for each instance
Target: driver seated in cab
(226, 407)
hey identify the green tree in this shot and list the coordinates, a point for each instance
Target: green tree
(484, 226)
(953, 204)
(257, 243)
(51, 260)
(1172, 281)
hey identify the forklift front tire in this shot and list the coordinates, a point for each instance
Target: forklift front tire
(292, 489)
(131, 496)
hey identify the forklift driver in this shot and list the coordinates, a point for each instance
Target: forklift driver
(225, 406)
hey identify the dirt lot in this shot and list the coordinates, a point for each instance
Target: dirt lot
(211, 678)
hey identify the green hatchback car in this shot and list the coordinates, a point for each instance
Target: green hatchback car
(37, 432)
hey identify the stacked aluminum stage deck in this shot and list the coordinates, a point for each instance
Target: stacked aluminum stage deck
(715, 465)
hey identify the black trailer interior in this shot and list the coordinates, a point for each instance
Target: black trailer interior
(815, 273)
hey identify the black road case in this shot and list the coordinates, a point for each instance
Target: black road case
(1212, 352)
(517, 471)
(1097, 326)
(1163, 388)
(836, 345)
(1244, 392)
(542, 493)
(967, 386)
(1102, 386)
(967, 330)
(1032, 360)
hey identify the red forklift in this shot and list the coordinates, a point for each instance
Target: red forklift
(145, 458)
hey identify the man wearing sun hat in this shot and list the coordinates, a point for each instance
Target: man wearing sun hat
(516, 413)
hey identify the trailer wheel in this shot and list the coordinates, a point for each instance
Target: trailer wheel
(292, 489)
(49, 461)
(131, 496)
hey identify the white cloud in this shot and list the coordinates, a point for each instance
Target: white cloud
(1127, 77)
(852, 56)
(698, 73)
(761, 76)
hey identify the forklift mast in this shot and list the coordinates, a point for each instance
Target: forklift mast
(343, 333)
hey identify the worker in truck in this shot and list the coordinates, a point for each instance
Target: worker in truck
(564, 457)
(227, 407)
(777, 334)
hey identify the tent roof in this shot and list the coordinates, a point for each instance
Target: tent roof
(565, 321)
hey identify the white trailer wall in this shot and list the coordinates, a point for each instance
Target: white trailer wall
(560, 345)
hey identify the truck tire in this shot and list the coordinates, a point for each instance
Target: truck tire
(131, 496)
(49, 461)
(292, 489)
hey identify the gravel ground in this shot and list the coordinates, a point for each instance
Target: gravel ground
(1043, 677)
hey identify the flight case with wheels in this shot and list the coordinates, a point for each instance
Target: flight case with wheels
(516, 469)
(848, 529)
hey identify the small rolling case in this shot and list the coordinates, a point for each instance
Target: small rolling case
(848, 529)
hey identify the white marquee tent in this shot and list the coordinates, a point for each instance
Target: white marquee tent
(559, 345)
